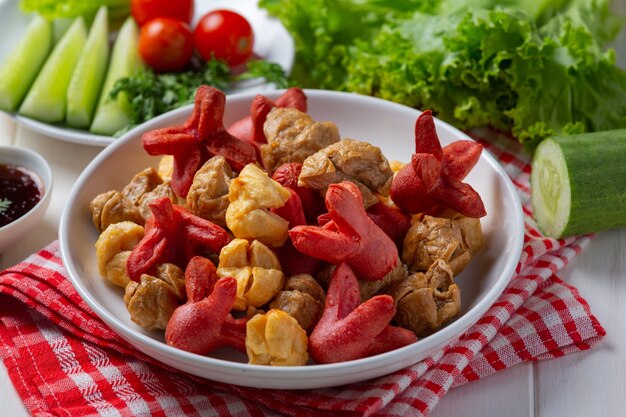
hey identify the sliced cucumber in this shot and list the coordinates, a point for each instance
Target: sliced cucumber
(578, 183)
(46, 99)
(88, 76)
(24, 62)
(125, 62)
(60, 26)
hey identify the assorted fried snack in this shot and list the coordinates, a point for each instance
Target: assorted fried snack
(276, 338)
(292, 136)
(302, 297)
(350, 329)
(252, 194)
(433, 238)
(204, 323)
(349, 160)
(112, 207)
(280, 239)
(113, 248)
(256, 269)
(427, 300)
(208, 194)
(153, 299)
(434, 177)
(202, 136)
(145, 187)
(250, 128)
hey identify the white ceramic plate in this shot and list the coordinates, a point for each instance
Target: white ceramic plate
(272, 43)
(385, 124)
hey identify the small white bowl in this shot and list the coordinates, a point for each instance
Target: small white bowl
(382, 123)
(18, 228)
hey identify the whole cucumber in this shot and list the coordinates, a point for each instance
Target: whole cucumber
(578, 183)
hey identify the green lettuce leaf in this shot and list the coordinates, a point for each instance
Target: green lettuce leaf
(324, 29)
(534, 68)
(566, 84)
(55, 9)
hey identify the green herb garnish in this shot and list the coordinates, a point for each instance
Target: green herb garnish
(152, 94)
(5, 203)
(270, 71)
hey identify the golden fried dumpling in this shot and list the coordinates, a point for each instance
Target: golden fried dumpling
(112, 207)
(165, 169)
(251, 195)
(208, 195)
(146, 187)
(275, 338)
(152, 301)
(141, 183)
(434, 238)
(359, 162)
(369, 288)
(292, 136)
(302, 297)
(112, 249)
(425, 301)
(256, 269)
(471, 230)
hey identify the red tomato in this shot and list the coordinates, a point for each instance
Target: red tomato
(166, 44)
(225, 34)
(146, 10)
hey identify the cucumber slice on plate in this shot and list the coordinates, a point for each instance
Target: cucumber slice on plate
(86, 82)
(578, 183)
(24, 62)
(60, 26)
(46, 100)
(125, 62)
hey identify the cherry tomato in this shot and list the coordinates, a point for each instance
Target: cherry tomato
(146, 10)
(166, 44)
(225, 34)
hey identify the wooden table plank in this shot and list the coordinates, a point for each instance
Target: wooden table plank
(10, 402)
(507, 393)
(592, 383)
(7, 129)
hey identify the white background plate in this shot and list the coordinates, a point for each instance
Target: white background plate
(272, 43)
(385, 124)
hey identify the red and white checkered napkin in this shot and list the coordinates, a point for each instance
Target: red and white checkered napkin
(64, 361)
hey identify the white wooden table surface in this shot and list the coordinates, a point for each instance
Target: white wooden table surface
(591, 383)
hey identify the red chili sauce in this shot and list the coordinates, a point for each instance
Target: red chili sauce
(20, 190)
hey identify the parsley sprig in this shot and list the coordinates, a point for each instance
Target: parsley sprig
(148, 94)
(270, 71)
(5, 203)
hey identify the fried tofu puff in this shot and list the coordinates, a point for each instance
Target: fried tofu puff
(256, 269)
(252, 194)
(275, 338)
